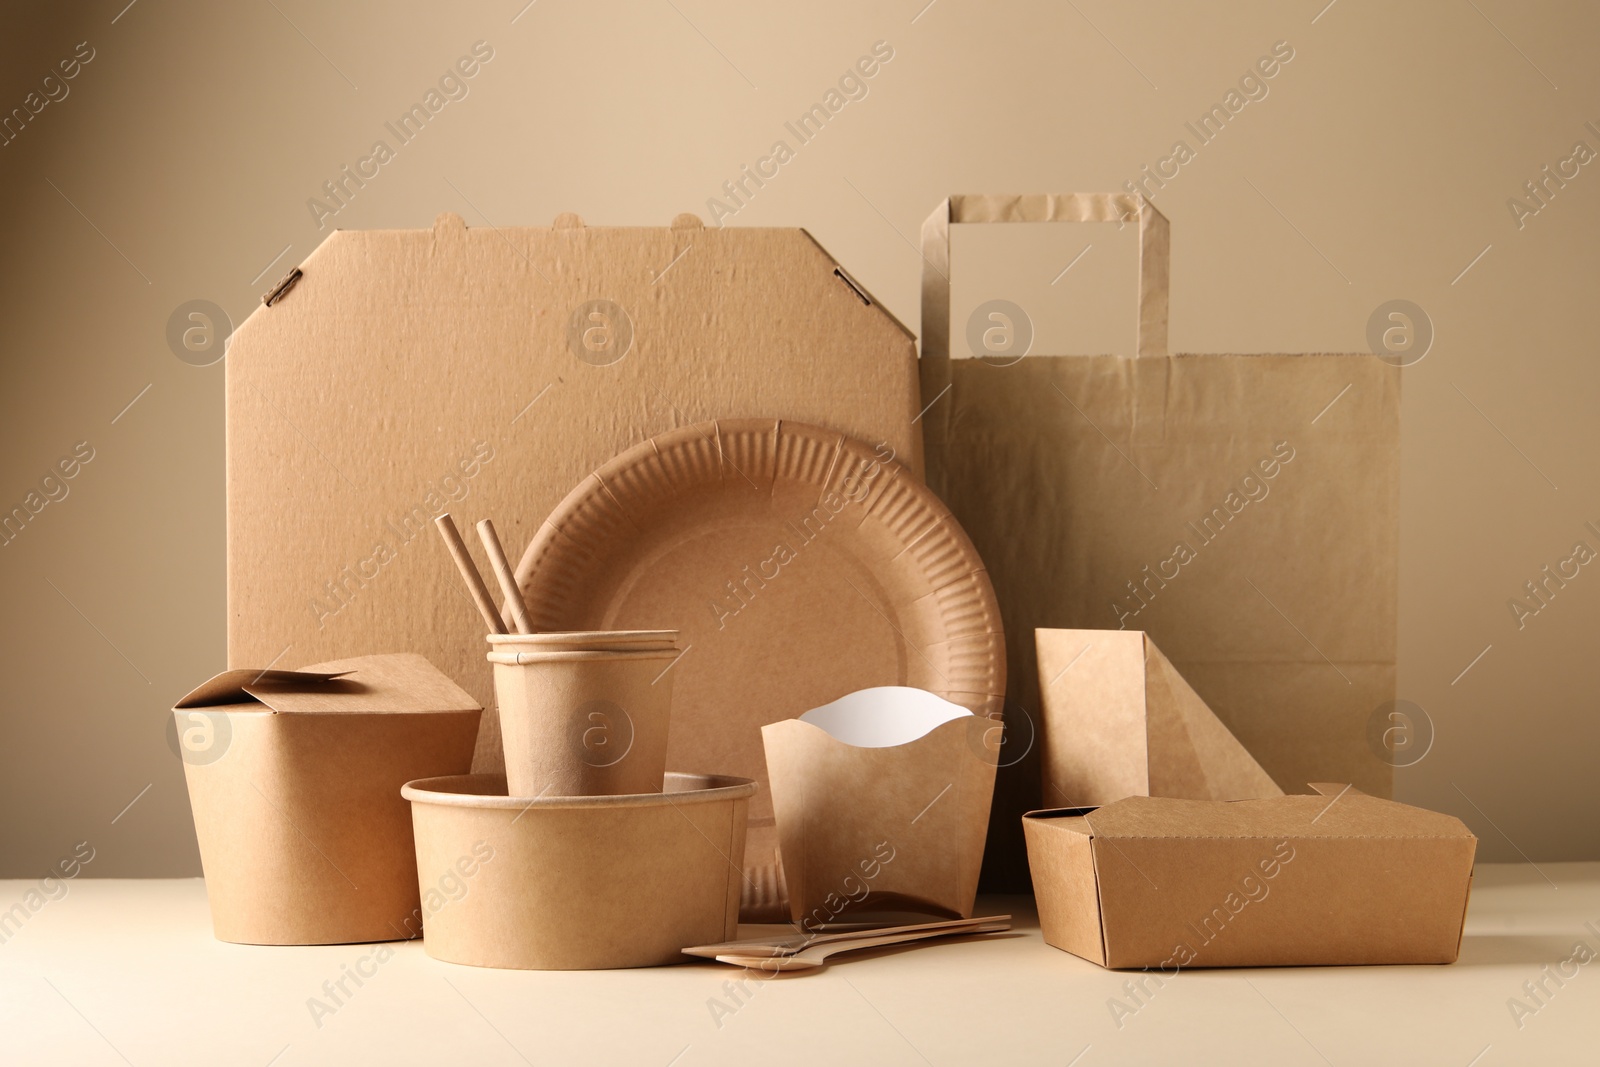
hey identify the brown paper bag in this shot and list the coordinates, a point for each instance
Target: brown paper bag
(1118, 720)
(1241, 509)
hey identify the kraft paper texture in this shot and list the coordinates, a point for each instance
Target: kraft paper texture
(1240, 509)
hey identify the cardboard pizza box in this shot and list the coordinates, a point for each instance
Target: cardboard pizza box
(398, 374)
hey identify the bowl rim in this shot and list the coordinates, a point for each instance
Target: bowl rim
(435, 791)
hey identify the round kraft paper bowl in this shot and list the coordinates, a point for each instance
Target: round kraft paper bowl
(586, 641)
(577, 883)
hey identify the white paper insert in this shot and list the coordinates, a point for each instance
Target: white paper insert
(883, 716)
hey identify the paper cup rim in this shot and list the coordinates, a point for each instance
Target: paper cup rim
(438, 791)
(594, 655)
(598, 637)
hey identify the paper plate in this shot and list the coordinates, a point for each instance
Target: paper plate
(798, 565)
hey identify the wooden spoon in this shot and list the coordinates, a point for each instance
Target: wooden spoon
(817, 956)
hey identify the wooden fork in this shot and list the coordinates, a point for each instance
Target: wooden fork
(817, 956)
(784, 946)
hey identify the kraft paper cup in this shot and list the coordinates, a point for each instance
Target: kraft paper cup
(571, 883)
(590, 723)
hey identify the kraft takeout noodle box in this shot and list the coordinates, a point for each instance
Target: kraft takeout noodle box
(576, 883)
(882, 803)
(1335, 878)
(294, 778)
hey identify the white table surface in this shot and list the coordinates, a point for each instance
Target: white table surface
(126, 971)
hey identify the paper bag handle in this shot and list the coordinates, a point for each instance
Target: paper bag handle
(1154, 254)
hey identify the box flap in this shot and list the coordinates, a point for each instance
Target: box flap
(395, 682)
(1066, 818)
(233, 687)
(1065, 880)
(1347, 813)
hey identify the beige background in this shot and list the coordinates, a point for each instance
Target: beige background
(1378, 167)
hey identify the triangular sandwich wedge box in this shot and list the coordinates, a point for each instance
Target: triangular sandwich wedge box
(294, 778)
(882, 804)
(1336, 878)
(1119, 721)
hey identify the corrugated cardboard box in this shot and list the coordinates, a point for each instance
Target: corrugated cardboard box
(295, 777)
(1339, 878)
(488, 371)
